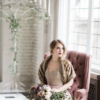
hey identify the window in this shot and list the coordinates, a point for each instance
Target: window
(0, 47)
(83, 32)
(96, 31)
(78, 23)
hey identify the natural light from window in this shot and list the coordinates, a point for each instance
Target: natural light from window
(78, 27)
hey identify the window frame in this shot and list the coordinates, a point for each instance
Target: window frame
(89, 30)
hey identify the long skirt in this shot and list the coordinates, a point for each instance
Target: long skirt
(68, 95)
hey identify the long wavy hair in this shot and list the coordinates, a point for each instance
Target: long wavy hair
(53, 44)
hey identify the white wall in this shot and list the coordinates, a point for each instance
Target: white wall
(46, 33)
(51, 28)
(0, 47)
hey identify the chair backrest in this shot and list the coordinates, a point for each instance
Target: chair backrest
(81, 64)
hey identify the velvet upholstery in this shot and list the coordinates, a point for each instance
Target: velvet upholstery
(81, 63)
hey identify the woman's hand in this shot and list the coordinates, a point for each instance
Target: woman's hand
(55, 90)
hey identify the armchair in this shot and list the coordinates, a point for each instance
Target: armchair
(81, 63)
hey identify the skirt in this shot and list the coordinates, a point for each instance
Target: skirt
(68, 95)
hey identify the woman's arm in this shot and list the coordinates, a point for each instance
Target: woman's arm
(64, 87)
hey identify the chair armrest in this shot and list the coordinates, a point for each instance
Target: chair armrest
(80, 93)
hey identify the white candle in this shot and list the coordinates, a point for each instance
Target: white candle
(40, 2)
(49, 7)
(45, 4)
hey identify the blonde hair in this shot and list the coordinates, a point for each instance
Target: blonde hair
(53, 44)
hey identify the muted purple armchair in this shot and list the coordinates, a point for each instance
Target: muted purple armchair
(81, 63)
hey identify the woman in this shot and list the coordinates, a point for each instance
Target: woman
(56, 70)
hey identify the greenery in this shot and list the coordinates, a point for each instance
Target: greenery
(28, 6)
(59, 96)
(41, 93)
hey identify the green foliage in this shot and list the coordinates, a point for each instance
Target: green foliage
(17, 60)
(9, 6)
(15, 22)
(58, 95)
(46, 16)
(14, 59)
(13, 39)
(12, 69)
(35, 13)
(73, 97)
(12, 48)
(28, 5)
(1, 4)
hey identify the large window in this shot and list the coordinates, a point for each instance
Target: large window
(82, 28)
(96, 30)
(78, 22)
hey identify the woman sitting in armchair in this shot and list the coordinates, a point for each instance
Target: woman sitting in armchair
(56, 71)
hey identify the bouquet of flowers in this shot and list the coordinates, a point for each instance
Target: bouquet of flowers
(44, 93)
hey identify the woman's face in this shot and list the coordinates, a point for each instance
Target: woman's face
(58, 50)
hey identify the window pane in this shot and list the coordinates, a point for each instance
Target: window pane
(96, 3)
(81, 48)
(96, 30)
(78, 25)
(99, 41)
(98, 54)
(79, 3)
(71, 46)
(94, 54)
(75, 46)
(95, 41)
(71, 36)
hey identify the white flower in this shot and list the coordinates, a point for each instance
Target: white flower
(48, 88)
(44, 87)
(48, 93)
(43, 92)
(14, 29)
(47, 97)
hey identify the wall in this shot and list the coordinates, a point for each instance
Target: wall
(48, 32)
(34, 40)
(52, 28)
(0, 46)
